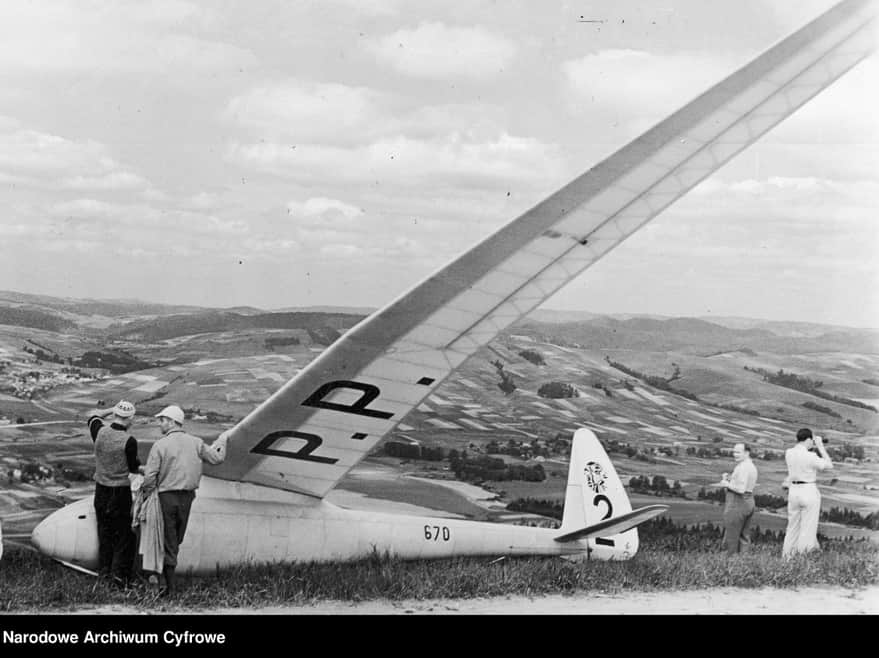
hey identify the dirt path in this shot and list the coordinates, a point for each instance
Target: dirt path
(812, 600)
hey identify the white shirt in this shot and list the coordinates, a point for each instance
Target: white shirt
(803, 465)
(744, 477)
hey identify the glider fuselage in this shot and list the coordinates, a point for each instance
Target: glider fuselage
(235, 524)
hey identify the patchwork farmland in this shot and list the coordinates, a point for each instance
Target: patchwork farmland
(685, 436)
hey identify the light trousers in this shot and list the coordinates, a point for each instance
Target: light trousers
(803, 510)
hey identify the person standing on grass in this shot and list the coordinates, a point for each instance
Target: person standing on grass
(739, 508)
(115, 458)
(804, 498)
(174, 467)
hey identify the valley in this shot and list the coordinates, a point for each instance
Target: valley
(672, 408)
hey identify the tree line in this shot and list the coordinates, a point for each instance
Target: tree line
(662, 533)
(765, 501)
(661, 383)
(413, 451)
(483, 467)
(806, 385)
(466, 467)
(280, 341)
(657, 486)
(842, 515)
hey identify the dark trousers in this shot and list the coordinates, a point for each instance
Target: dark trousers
(737, 515)
(116, 539)
(175, 515)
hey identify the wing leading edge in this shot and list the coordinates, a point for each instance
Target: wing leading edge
(314, 429)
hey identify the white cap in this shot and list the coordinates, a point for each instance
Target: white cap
(124, 409)
(173, 412)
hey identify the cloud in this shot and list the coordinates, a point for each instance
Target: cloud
(807, 197)
(631, 90)
(634, 89)
(324, 212)
(320, 205)
(843, 113)
(116, 37)
(752, 247)
(308, 112)
(92, 209)
(119, 180)
(35, 153)
(303, 112)
(13, 180)
(202, 201)
(386, 252)
(435, 50)
(368, 7)
(798, 223)
(341, 250)
(38, 158)
(267, 245)
(453, 159)
(167, 226)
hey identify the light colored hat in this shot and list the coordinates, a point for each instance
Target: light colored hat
(124, 409)
(173, 412)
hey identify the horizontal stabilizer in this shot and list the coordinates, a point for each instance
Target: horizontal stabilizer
(615, 525)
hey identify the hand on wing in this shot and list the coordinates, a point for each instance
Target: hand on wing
(222, 440)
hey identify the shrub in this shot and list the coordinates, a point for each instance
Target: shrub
(533, 356)
(557, 390)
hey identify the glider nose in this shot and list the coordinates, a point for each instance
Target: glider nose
(69, 534)
(43, 536)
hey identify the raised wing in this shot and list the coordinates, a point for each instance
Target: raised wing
(310, 433)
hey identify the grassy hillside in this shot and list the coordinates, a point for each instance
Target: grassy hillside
(25, 317)
(697, 336)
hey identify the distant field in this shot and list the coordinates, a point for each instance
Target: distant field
(221, 377)
(681, 511)
(415, 492)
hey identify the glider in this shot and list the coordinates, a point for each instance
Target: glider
(266, 503)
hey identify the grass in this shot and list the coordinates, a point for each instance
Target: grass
(31, 582)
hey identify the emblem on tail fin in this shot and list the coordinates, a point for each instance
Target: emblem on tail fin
(596, 478)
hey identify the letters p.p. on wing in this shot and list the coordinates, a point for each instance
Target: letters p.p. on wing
(321, 423)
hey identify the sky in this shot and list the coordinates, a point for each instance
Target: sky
(336, 152)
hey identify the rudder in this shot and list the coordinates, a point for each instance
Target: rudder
(595, 493)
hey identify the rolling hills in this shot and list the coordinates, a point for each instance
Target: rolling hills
(668, 396)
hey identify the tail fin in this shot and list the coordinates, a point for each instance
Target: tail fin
(596, 502)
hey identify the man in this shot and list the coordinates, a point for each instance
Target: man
(739, 508)
(174, 467)
(115, 458)
(804, 499)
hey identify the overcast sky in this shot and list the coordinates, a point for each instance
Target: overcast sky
(336, 152)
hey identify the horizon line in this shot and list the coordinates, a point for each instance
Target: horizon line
(347, 308)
